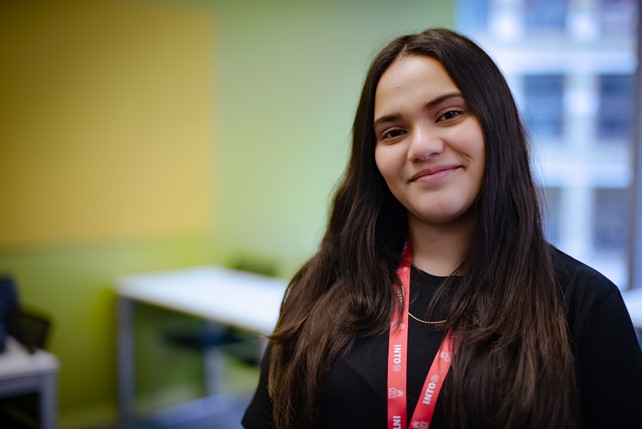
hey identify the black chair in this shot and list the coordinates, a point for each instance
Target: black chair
(31, 330)
(29, 327)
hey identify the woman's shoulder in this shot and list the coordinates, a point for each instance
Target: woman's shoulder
(576, 277)
(601, 331)
(590, 299)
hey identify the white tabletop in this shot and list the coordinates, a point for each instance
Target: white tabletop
(239, 298)
(15, 361)
(232, 297)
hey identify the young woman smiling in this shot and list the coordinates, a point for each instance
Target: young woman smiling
(434, 300)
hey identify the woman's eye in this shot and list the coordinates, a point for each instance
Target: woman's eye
(451, 114)
(391, 134)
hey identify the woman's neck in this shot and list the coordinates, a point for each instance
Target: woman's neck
(439, 249)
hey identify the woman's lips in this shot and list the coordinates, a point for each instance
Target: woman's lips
(433, 174)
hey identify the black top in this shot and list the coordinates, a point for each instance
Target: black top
(607, 352)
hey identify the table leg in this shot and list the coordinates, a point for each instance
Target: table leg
(214, 365)
(125, 324)
(48, 402)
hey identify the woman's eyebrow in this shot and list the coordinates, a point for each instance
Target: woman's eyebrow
(437, 101)
(386, 118)
(431, 104)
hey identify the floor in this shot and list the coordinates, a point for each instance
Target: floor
(207, 413)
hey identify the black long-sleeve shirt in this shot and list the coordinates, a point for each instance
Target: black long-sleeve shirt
(604, 343)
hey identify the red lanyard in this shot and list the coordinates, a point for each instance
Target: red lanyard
(397, 359)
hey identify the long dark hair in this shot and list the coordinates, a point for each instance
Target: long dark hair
(514, 366)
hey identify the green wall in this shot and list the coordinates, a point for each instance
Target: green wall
(287, 78)
(289, 75)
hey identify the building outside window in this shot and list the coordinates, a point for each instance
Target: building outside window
(610, 219)
(618, 17)
(551, 208)
(616, 107)
(571, 66)
(543, 108)
(545, 15)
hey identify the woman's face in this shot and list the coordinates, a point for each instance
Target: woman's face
(430, 147)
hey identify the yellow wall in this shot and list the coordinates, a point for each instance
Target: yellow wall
(107, 121)
(106, 167)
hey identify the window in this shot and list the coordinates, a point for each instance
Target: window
(542, 15)
(614, 120)
(551, 207)
(571, 65)
(474, 13)
(543, 95)
(619, 16)
(610, 220)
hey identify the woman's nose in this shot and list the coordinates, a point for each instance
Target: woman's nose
(424, 144)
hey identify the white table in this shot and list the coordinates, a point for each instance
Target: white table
(229, 297)
(22, 372)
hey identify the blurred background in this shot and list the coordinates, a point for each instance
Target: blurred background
(145, 135)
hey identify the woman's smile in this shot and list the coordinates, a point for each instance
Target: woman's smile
(434, 176)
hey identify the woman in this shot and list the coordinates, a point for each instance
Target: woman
(434, 253)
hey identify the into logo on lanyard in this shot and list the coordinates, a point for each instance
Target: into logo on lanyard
(397, 363)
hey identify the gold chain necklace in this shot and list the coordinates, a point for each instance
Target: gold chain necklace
(426, 322)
